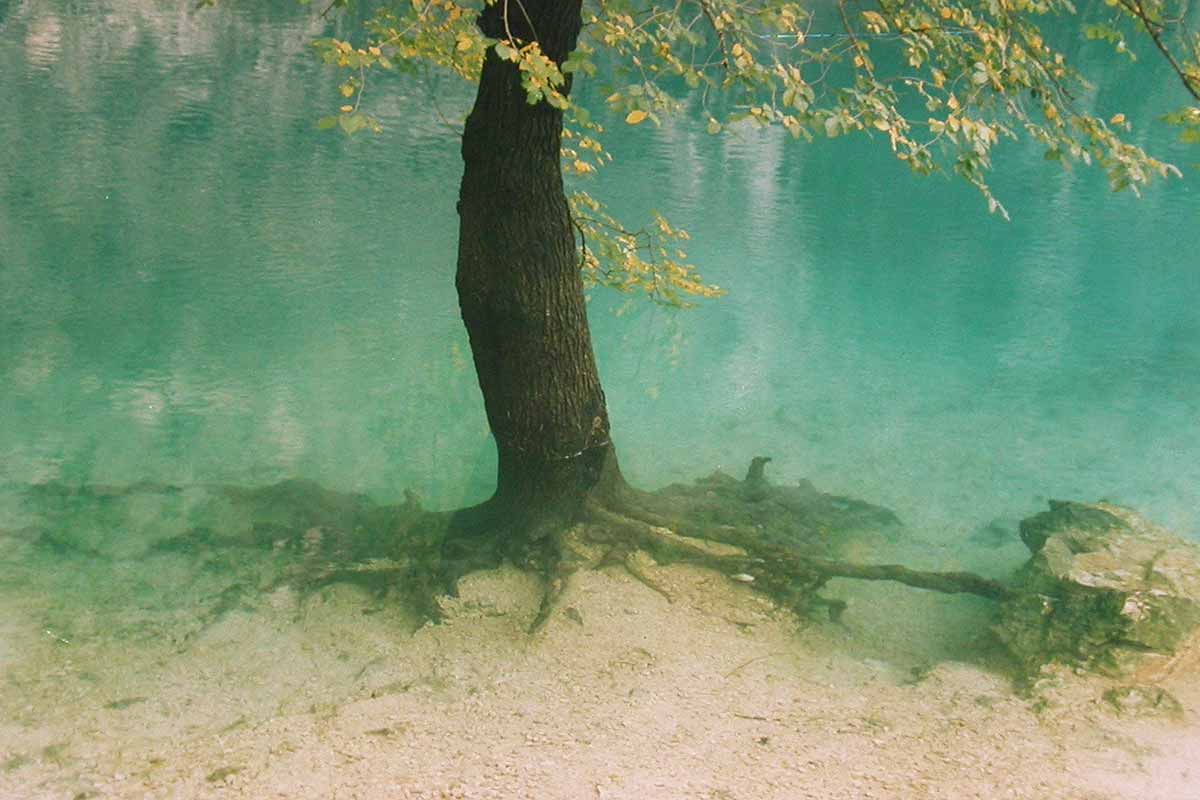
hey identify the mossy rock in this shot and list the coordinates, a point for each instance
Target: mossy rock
(1102, 588)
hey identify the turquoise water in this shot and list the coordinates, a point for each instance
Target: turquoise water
(199, 286)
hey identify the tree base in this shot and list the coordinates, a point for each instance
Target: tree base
(784, 542)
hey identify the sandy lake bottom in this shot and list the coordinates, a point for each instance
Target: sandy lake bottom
(622, 694)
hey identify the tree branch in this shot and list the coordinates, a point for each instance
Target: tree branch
(1154, 30)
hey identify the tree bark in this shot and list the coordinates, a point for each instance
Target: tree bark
(519, 284)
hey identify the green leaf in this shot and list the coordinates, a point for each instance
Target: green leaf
(1103, 31)
(577, 62)
(350, 123)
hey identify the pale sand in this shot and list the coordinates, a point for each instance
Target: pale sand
(621, 695)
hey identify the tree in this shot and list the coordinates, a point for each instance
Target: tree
(939, 83)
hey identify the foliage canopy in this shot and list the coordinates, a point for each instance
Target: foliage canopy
(939, 82)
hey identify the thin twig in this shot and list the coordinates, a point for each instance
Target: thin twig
(1154, 30)
(754, 660)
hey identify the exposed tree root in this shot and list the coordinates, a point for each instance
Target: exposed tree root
(634, 566)
(948, 582)
(229, 547)
(638, 526)
(783, 541)
(787, 576)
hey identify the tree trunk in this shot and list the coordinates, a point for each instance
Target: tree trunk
(520, 289)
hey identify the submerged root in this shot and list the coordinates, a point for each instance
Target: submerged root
(625, 532)
(783, 542)
(636, 567)
(778, 541)
(788, 583)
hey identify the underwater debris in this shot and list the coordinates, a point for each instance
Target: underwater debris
(1143, 701)
(14, 762)
(222, 773)
(125, 702)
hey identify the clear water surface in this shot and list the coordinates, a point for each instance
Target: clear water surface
(200, 286)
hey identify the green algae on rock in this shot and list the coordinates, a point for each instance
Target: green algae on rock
(1104, 589)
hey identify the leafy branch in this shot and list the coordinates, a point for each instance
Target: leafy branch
(961, 76)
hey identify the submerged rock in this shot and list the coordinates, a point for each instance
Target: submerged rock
(1104, 589)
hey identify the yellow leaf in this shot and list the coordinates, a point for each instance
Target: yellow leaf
(635, 116)
(346, 109)
(883, 125)
(464, 43)
(1117, 119)
(875, 20)
(945, 12)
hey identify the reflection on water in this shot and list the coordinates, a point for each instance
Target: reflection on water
(200, 286)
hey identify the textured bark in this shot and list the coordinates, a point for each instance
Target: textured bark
(519, 284)
(521, 296)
